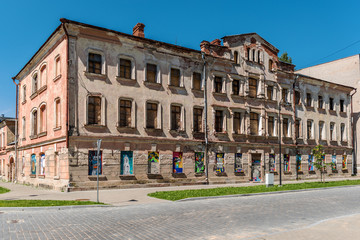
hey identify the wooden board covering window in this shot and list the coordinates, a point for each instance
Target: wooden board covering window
(269, 91)
(271, 126)
(218, 121)
(94, 110)
(175, 117)
(125, 113)
(197, 119)
(254, 124)
(196, 81)
(175, 77)
(94, 63)
(236, 87)
(125, 68)
(151, 70)
(151, 115)
(252, 88)
(237, 122)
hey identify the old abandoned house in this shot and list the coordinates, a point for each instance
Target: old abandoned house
(145, 100)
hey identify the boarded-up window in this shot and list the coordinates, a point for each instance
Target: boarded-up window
(218, 121)
(320, 102)
(151, 72)
(254, 124)
(297, 128)
(237, 122)
(125, 68)
(196, 81)
(270, 65)
(175, 77)
(252, 88)
(218, 84)
(269, 91)
(175, 117)
(94, 63)
(271, 126)
(236, 87)
(125, 113)
(151, 115)
(297, 97)
(342, 132)
(57, 112)
(321, 130)
(198, 119)
(309, 129)
(285, 127)
(94, 110)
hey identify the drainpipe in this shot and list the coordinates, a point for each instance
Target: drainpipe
(205, 121)
(354, 165)
(279, 131)
(67, 82)
(16, 130)
(294, 107)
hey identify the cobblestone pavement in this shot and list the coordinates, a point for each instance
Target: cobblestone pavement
(255, 217)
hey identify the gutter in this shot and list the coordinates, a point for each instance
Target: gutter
(67, 83)
(354, 165)
(16, 130)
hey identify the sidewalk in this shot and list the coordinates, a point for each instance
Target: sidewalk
(117, 197)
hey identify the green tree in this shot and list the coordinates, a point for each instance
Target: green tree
(319, 163)
(285, 58)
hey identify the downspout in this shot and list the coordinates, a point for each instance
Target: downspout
(16, 130)
(294, 108)
(205, 121)
(354, 165)
(67, 83)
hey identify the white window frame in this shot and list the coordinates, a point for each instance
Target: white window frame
(103, 60)
(181, 79)
(133, 66)
(182, 116)
(158, 71)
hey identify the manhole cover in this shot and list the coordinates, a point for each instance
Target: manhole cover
(82, 200)
(133, 200)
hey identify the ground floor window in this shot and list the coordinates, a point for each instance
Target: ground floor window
(199, 162)
(220, 162)
(127, 163)
(153, 163)
(298, 162)
(286, 163)
(334, 162)
(238, 166)
(272, 165)
(177, 162)
(311, 162)
(344, 162)
(93, 163)
(42, 164)
(33, 164)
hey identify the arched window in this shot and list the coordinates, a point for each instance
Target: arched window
(43, 118)
(270, 65)
(43, 75)
(248, 54)
(34, 123)
(259, 57)
(236, 57)
(34, 83)
(57, 113)
(253, 55)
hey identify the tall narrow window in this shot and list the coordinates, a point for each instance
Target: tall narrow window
(320, 102)
(332, 131)
(331, 104)
(175, 77)
(309, 129)
(237, 122)
(258, 56)
(125, 113)
(198, 119)
(24, 93)
(94, 63)
(284, 95)
(94, 110)
(34, 83)
(253, 55)
(43, 118)
(218, 84)
(236, 57)
(297, 128)
(269, 92)
(34, 123)
(321, 130)
(151, 115)
(57, 113)
(175, 117)
(23, 123)
(270, 65)
(252, 88)
(236, 87)
(57, 67)
(308, 100)
(248, 54)
(342, 132)
(151, 73)
(342, 106)
(43, 76)
(196, 81)
(285, 127)
(254, 124)
(125, 68)
(271, 126)
(218, 121)
(297, 97)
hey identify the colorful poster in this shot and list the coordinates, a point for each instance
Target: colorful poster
(42, 164)
(334, 162)
(93, 163)
(153, 163)
(199, 162)
(127, 163)
(272, 165)
(33, 164)
(311, 162)
(344, 163)
(177, 162)
(298, 162)
(286, 162)
(238, 163)
(220, 162)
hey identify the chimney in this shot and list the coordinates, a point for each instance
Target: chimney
(138, 30)
(216, 42)
(205, 47)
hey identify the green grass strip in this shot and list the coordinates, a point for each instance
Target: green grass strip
(222, 191)
(4, 190)
(43, 203)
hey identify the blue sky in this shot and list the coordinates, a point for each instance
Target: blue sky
(307, 30)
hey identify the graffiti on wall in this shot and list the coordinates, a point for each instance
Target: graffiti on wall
(153, 163)
(199, 162)
(272, 165)
(238, 163)
(93, 163)
(286, 162)
(127, 163)
(311, 162)
(42, 164)
(334, 162)
(177, 162)
(33, 164)
(298, 162)
(344, 162)
(220, 162)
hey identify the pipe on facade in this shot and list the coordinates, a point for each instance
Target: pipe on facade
(16, 129)
(354, 164)
(205, 121)
(67, 83)
(294, 108)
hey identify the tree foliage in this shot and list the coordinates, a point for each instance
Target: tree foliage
(319, 157)
(285, 58)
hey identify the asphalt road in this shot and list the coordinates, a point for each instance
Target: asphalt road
(251, 217)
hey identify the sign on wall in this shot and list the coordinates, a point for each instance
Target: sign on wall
(286, 162)
(127, 163)
(153, 163)
(42, 164)
(177, 162)
(33, 164)
(93, 163)
(272, 165)
(199, 162)
(219, 167)
(238, 166)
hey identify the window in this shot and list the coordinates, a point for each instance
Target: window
(125, 113)
(286, 163)
(321, 131)
(237, 122)
(284, 95)
(258, 56)
(43, 76)
(126, 163)
(196, 81)
(309, 129)
(269, 92)
(252, 88)
(218, 84)
(57, 66)
(344, 162)
(151, 73)
(320, 102)
(199, 162)
(297, 128)
(332, 131)
(270, 65)
(331, 104)
(342, 132)
(35, 83)
(151, 115)
(23, 123)
(236, 57)
(175, 117)
(34, 123)
(33, 164)
(271, 126)
(254, 124)
(94, 110)
(308, 100)
(95, 62)
(43, 118)
(198, 119)
(297, 97)
(285, 127)
(218, 121)
(125, 68)
(175, 77)
(272, 165)
(342, 106)
(236, 87)
(253, 55)
(57, 113)
(238, 165)
(178, 162)
(93, 163)
(24, 93)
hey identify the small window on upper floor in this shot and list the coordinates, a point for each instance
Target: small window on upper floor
(175, 77)
(236, 57)
(94, 110)
(284, 95)
(297, 97)
(219, 118)
(253, 88)
(151, 115)
(286, 132)
(125, 68)
(310, 129)
(248, 54)
(34, 126)
(254, 123)
(218, 84)
(331, 104)
(175, 117)
(297, 128)
(23, 123)
(57, 113)
(332, 132)
(197, 117)
(151, 73)
(196, 81)
(270, 92)
(125, 113)
(43, 118)
(342, 133)
(253, 55)
(308, 100)
(237, 122)
(270, 65)
(34, 83)
(43, 75)
(320, 102)
(271, 126)
(259, 56)
(321, 130)
(342, 105)
(94, 63)
(24, 93)
(235, 87)
(57, 66)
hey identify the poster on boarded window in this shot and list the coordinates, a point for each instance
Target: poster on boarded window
(93, 163)
(42, 164)
(311, 162)
(33, 164)
(126, 166)
(272, 165)
(286, 162)
(219, 167)
(177, 162)
(344, 163)
(238, 163)
(199, 162)
(153, 163)
(333, 162)
(298, 162)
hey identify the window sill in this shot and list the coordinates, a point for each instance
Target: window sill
(41, 176)
(32, 175)
(32, 96)
(23, 102)
(343, 114)
(220, 133)
(152, 83)
(57, 78)
(95, 75)
(345, 170)
(122, 79)
(57, 128)
(273, 137)
(42, 134)
(219, 93)
(176, 87)
(33, 137)
(127, 177)
(94, 177)
(94, 125)
(197, 90)
(308, 108)
(153, 129)
(42, 89)
(332, 112)
(321, 110)
(176, 131)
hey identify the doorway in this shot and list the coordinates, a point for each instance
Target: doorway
(256, 167)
